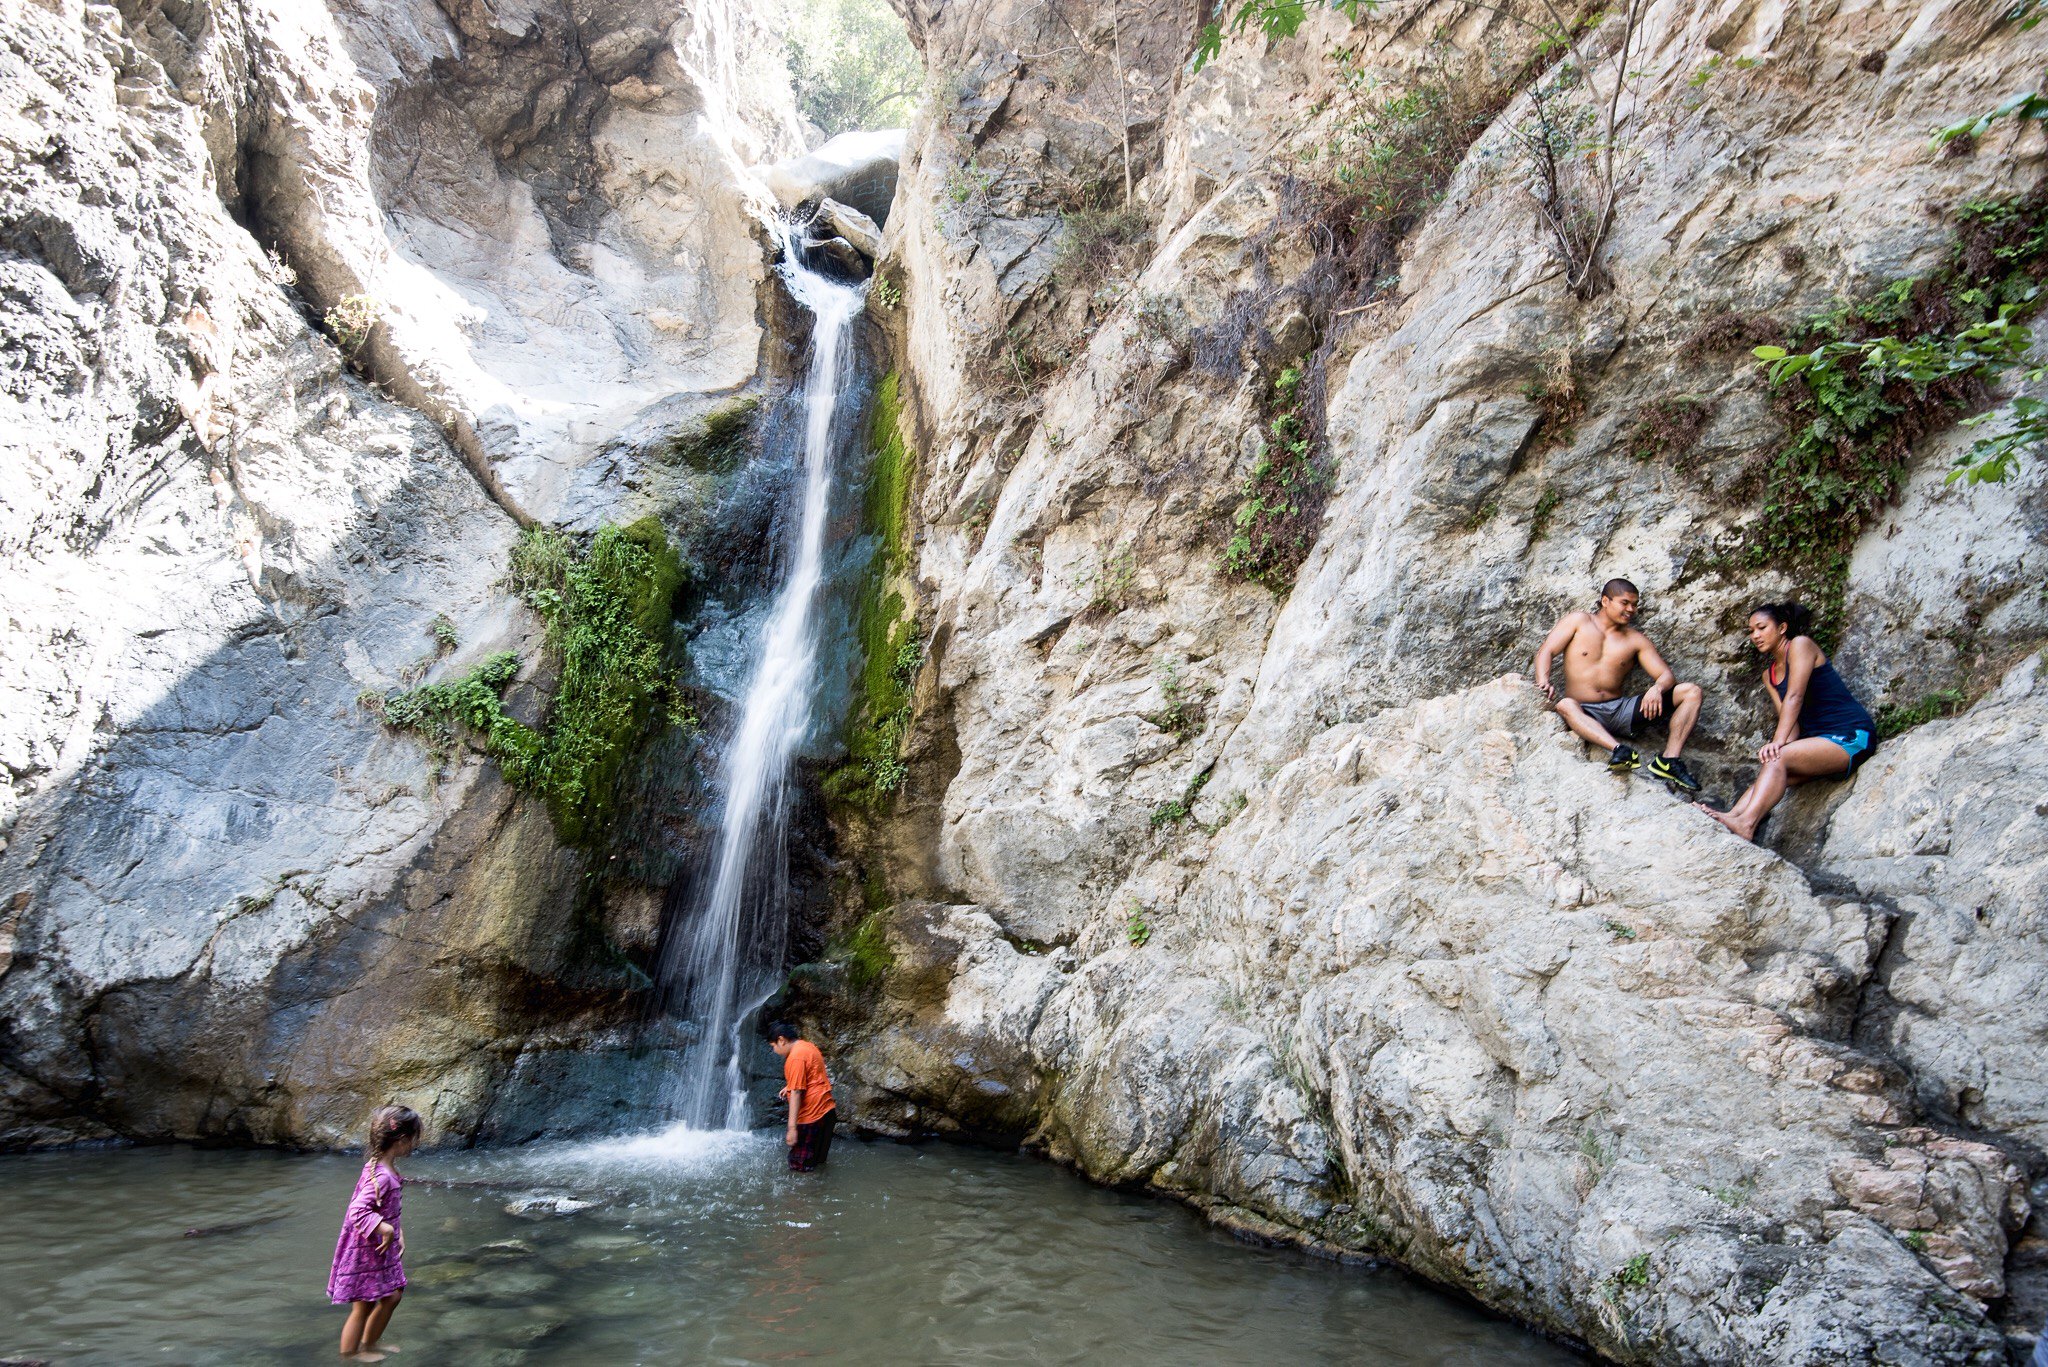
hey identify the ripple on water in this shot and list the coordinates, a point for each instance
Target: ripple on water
(698, 1247)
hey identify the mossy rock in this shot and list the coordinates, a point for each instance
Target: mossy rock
(890, 636)
(610, 615)
(717, 443)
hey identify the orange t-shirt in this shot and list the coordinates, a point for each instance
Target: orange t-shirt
(803, 1068)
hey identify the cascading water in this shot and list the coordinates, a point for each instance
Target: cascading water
(724, 962)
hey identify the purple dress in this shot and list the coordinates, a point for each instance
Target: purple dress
(360, 1272)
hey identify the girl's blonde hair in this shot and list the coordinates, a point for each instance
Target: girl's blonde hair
(392, 1125)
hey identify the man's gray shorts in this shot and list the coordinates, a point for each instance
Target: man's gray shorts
(1623, 717)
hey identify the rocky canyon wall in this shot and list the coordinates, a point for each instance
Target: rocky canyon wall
(1291, 903)
(235, 906)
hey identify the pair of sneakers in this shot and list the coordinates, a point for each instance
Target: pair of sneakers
(1626, 758)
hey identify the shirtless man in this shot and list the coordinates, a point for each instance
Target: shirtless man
(1600, 648)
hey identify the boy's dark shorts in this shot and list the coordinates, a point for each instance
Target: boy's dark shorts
(813, 1143)
(1623, 717)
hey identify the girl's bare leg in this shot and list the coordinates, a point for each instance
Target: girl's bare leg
(380, 1315)
(1795, 764)
(352, 1329)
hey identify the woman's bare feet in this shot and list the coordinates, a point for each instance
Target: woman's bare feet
(1747, 830)
(380, 1346)
(363, 1355)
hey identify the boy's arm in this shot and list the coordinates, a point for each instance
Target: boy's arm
(1560, 636)
(796, 1102)
(1662, 679)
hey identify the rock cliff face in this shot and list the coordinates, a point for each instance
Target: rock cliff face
(1288, 903)
(1285, 898)
(234, 906)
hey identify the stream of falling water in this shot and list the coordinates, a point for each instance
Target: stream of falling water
(725, 961)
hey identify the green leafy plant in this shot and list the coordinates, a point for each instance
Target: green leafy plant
(1276, 19)
(1394, 152)
(1896, 719)
(1137, 930)
(1618, 930)
(1860, 384)
(1180, 716)
(1915, 1239)
(967, 181)
(885, 293)
(1539, 518)
(1116, 582)
(1181, 808)
(440, 714)
(1570, 148)
(851, 62)
(2023, 106)
(608, 613)
(352, 319)
(1634, 1272)
(445, 637)
(1283, 496)
(1712, 67)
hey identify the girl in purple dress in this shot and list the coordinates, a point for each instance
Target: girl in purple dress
(369, 1272)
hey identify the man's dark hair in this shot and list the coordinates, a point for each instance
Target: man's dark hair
(1614, 586)
(781, 1030)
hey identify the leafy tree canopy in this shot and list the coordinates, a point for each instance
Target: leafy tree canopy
(852, 63)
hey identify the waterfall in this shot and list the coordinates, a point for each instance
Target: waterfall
(725, 961)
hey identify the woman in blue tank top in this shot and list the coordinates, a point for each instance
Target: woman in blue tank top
(1822, 730)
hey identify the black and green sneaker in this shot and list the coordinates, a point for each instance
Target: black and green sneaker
(1622, 759)
(1674, 772)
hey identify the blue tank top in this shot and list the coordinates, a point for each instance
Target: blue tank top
(1829, 709)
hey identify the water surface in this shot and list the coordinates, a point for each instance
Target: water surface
(697, 1249)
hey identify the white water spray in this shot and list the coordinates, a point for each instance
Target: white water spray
(711, 977)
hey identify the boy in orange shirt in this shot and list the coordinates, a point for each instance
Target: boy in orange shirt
(809, 1092)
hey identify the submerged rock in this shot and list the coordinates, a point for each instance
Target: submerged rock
(540, 1204)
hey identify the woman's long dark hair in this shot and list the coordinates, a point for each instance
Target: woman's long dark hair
(1794, 617)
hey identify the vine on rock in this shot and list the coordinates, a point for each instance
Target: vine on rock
(608, 613)
(1364, 186)
(1276, 524)
(1861, 384)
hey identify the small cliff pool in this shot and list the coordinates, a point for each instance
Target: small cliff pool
(696, 1249)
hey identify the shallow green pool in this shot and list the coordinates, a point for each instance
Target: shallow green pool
(696, 1249)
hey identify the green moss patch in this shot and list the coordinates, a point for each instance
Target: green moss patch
(865, 953)
(1898, 718)
(719, 443)
(608, 612)
(890, 638)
